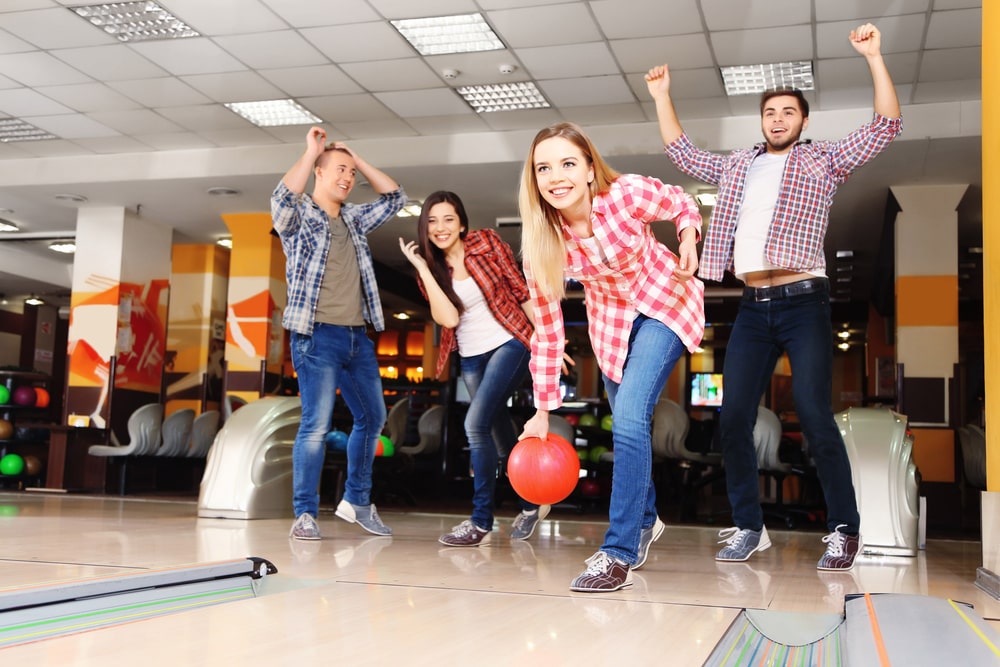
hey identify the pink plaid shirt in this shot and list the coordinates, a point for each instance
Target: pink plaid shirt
(637, 277)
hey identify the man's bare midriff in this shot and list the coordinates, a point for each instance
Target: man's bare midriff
(774, 277)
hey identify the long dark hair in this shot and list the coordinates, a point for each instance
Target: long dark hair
(432, 254)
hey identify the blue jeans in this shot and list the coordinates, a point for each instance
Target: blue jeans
(653, 349)
(335, 357)
(799, 325)
(491, 378)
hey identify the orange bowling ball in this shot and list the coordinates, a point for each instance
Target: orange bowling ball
(41, 398)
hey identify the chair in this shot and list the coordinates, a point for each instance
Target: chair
(972, 445)
(144, 436)
(689, 442)
(230, 404)
(175, 433)
(203, 432)
(396, 421)
(430, 427)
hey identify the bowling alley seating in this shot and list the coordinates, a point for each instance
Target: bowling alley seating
(972, 445)
(203, 432)
(175, 433)
(777, 458)
(144, 437)
(396, 422)
(687, 443)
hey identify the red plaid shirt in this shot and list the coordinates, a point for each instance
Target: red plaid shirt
(802, 212)
(490, 262)
(637, 277)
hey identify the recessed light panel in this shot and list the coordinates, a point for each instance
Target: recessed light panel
(15, 129)
(271, 113)
(135, 21)
(755, 79)
(463, 33)
(504, 97)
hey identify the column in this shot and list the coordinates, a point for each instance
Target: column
(255, 340)
(118, 312)
(926, 241)
(988, 576)
(196, 327)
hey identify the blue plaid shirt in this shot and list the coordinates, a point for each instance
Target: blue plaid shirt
(304, 229)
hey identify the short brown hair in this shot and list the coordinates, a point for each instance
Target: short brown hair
(791, 92)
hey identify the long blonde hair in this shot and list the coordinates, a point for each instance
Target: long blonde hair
(542, 246)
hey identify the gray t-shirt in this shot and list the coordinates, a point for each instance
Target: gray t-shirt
(340, 294)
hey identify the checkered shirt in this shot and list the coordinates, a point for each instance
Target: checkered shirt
(491, 263)
(304, 229)
(637, 277)
(802, 212)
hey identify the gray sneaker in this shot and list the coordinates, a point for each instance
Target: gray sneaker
(364, 515)
(741, 543)
(646, 539)
(525, 522)
(305, 528)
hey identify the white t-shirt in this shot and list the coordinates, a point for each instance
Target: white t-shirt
(478, 331)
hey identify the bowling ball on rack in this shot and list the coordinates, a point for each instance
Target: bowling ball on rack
(385, 446)
(6, 430)
(32, 465)
(42, 397)
(587, 420)
(336, 441)
(11, 464)
(4, 395)
(24, 396)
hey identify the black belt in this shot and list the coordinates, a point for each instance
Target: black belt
(807, 286)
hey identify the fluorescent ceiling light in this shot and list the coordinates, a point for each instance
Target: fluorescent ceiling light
(706, 198)
(65, 247)
(270, 113)
(755, 79)
(33, 301)
(8, 226)
(135, 21)
(462, 33)
(504, 97)
(15, 129)
(410, 210)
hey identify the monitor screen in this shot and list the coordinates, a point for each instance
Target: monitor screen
(706, 390)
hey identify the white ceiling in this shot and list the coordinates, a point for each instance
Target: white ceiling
(143, 125)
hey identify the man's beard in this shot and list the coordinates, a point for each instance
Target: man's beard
(787, 141)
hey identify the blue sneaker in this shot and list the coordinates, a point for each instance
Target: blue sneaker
(525, 522)
(305, 528)
(741, 543)
(646, 539)
(364, 515)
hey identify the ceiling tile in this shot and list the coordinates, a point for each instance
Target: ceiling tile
(21, 5)
(225, 17)
(20, 102)
(417, 103)
(285, 48)
(13, 150)
(534, 26)
(173, 141)
(930, 92)
(162, 92)
(584, 91)
(39, 69)
(684, 84)
(957, 4)
(862, 11)
(693, 109)
(372, 129)
(338, 109)
(11, 44)
(382, 75)
(112, 145)
(249, 136)
(54, 28)
(835, 73)
(109, 63)
(729, 15)
(679, 52)
(529, 119)
(510, 4)
(899, 33)
(954, 29)
(617, 18)
(302, 81)
(608, 114)
(404, 9)
(302, 13)
(56, 148)
(88, 97)
(71, 126)
(950, 64)
(188, 56)
(359, 42)
(443, 125)
(553, 62)
(234, 86)
(136, 121)
(204, 117)
(765, 45)
(478, 68)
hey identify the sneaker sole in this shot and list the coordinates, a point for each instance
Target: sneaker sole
(760, 547)
(581, 589)
(305, 539)
(485, 540)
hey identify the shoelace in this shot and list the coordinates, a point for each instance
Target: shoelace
(733, 536)
(598, 563)
(835, 541)
(463, 529)
(521, 519)
(308, 523)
